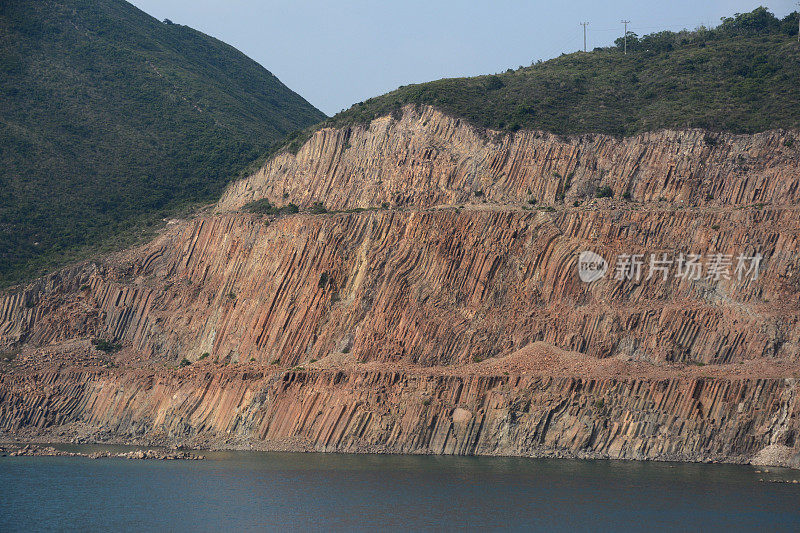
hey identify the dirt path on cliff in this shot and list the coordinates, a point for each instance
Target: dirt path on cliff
(535, 359)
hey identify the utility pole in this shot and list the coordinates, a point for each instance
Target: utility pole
(798, 23)
(584, 34)
(626, 22)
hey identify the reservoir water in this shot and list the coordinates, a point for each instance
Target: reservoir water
(244, 491)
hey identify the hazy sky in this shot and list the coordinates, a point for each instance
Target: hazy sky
(337, 53)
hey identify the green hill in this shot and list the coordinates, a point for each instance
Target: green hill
(741, 76)
(111, 120)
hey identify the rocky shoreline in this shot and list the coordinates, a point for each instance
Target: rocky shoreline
(35, 450)
(42, 450)
(79, 435)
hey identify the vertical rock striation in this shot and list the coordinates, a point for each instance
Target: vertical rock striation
(414, 309)
(427, 158)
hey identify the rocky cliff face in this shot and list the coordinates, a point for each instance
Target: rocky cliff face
(670, 418)
(427, 159)
(441, 311)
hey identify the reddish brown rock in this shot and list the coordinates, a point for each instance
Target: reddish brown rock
(428, 159)
(679, 418)
(427, 328)
(432, 287)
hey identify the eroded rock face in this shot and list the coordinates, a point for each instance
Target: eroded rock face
(435, 287)
(696, 419)
(427, 159)
(405, 315)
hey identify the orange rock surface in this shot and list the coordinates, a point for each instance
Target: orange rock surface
(452, 320)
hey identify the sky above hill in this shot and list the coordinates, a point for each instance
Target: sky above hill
(338, 53)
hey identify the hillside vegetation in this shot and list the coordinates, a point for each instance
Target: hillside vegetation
(111, 120)
(742, 76)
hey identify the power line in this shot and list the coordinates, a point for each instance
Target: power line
(625, 35)
(584, 24)
(665, 27)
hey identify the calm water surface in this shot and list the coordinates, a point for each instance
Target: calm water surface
(236, 491)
